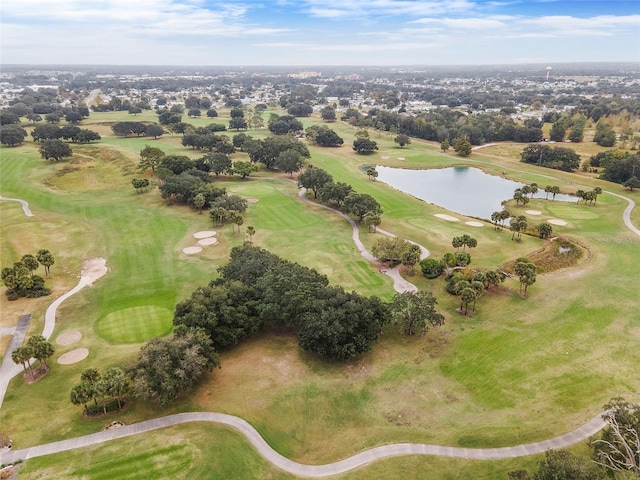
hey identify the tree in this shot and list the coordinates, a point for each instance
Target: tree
(560, 464)
(605, 136)
(328, 114)
(633, 182)
(289, 162)
(364, 146)
(558, 131)
(414, 313)
(115, 384)
(431, 268)
(467, 296)
(154, 131)
(315, 179)
(212, 113)
(445, 146)
(244, 169)
(545, 229)
(73, 117)
(219, 163)
(81, 394)
(30, 262)
(54, 150)
(7, 117)
(12, 135)
(359, 204)
(371, 219)
(167, 367)
(390, 249)
(150, 158)
(462, 147)
(526, 271)
(251, 231)
(618, 448)
(238, 123)
(401, 139)
(46, 260)
(23, 355)
(41, 349)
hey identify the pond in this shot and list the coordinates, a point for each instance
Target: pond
(465, 190)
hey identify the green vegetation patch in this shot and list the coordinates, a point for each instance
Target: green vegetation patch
(363, 274)
(561, 253)
(135, 324)
(572, 211)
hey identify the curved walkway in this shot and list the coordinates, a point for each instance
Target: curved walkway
(25, 206)
(399, 283)
(302, 470)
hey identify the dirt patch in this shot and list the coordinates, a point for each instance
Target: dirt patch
(35, 374)
(204, 234)
(191, 250)
(253, 200)
(68, 338)
(74, 356)
(446, 217)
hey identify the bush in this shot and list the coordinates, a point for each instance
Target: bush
(431, 268)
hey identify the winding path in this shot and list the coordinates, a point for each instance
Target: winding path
(25, 205)
(299, 469)
(399, 283)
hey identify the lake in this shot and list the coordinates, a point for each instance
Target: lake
(465, 190)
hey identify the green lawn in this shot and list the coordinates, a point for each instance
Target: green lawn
(518, 370)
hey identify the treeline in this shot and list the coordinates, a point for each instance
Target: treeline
(619, 165)
(139, 129)
(257, 288)
(72, 133)
(560, 158)
(444, 124)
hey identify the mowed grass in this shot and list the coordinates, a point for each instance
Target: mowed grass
(135, 324)
(518, 370)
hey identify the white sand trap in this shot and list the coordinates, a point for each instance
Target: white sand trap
(93, 269)
(449, 218)
(533, 212)
(208, 241)
(385, 157)
(400, 158)
(555, 221)
(191, 250)
(253, 200)
(475, 224)
(67, 338)
(74, 356)
(204, 234)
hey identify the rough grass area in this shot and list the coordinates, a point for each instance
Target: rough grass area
(135, 324)
(557, 254)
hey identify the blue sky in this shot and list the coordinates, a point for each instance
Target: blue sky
(318, 32)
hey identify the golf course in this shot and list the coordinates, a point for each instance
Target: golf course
(520, 369)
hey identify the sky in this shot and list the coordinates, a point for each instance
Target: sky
(318, 32)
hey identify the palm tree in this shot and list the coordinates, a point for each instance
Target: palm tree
(495, 218)
(533, 188)
(238, 220)
(467, 295)
(116, 384)
(251, 232)
(41, 349)
(30, 262)
(23, 356)
(597, 191)
(46, 260)
(547, 190)
(81, 395)
(517, 196)
(544, 230)
(555, 190)
(580, 194)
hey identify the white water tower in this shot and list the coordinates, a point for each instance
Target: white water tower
(548, 72)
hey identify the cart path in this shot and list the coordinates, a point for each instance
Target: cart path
(8, 368)
(301, 470)
(399, 284)
(25, 205)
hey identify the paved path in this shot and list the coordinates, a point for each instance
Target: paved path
(25, 205)
(299, 469)
(626, 215)
(9, 369)
(399, 283)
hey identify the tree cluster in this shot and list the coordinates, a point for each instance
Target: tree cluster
(37, 347)
(323, 136)
(560, 158)
(71, 133)
(12, 135)
(621, 170)
(20, 279)
(282, 125)
(107, 387)
(267, 150)
(257, 288)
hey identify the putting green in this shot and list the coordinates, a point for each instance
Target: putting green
(135, 324)
(574, 212)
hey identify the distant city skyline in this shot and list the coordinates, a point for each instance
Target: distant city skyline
(318, 32)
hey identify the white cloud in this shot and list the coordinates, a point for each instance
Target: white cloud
(357, 9)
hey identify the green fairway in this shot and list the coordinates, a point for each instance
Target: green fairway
(518, 370)
(135, 324)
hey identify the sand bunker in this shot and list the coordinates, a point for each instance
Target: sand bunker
(67, 338)
(74, 356)
(555, 221)
(400, 158)
(253, 200)
(385, 157)
(533, 212)
(191, 250)
(449, 218)
(475, 224)
(207, 241)
(204, 234)
(94, 269)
